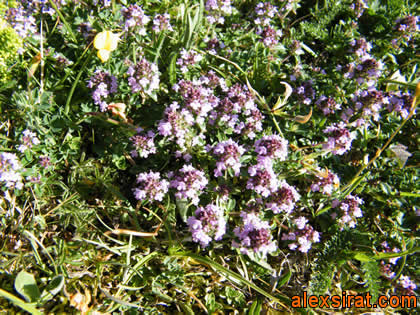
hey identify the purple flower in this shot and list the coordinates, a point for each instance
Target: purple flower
(284, 199)
(102, 83)
(303, 237)
(339, 140)
(274, 147)
(207, 224)
(326, 184)
(151, 187)
(228, 154)
(177, 125)
(359, 7)
(45, 161)
(22, 21)
(348, 212)
(265, 12)
(327, 104)
(254, 235)
(217, 9)
(269, 36)
(134, 17)
(262, 179)
(143, 77)
(29, 139)
(399, 102)
(189, 183)
(143, 144)
(9, 170)
(188, 58)
(161, 23)
(407, 283)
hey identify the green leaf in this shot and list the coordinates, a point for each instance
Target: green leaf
(182, 205)
(30, 308)
(255, 308)
(55, 286)
(363, 257)
(25, 285)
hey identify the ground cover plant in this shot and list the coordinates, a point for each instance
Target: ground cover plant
(216, 156)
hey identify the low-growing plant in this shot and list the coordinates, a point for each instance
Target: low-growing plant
(207, 156)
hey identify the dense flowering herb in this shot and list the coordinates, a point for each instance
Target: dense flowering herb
(22, 22)
(349, 211)
(326, 184)
(189, 183)
(103, 84)
(161, 22)
(254, 235)
(284, 199)
(303, 237)
(274, 147)
(217, 9)
(207, 224)
(198, 99)
(228, 154)
(360, 47)
(143, 77)
(135, 19)
(151, 187)
(407, 284)
(9, 170)
(238, 112)
(143, 143)
(29, 139)
(176, 125)
(328, 105)
(187, 59)
(265, 13)
(269, 36)
(339, 140)
(399, 102)
(305, 92)
(262, 178)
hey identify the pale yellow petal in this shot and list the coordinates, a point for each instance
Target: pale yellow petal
(111, 41)
(100, 40)
(103, 54)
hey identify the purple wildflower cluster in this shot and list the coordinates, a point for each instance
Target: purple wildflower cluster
(328, 105)
(407, 284)
(284, 199)
(326, 184)
(143, 77)
(305, 92)
(339, 140)
(367, 69)
(161, 22)
(176, 125)
(265, 12)
(29, 139)
(349, 211)
(213, 45)
(360, 47)
(102, 83)
(198, 98)
(399, 102)
(254, 235)
(359, 6)
(217, 9)
(263, 180)
(207, 224)
(188, 58)
(407, 27)
(228, 154)
(135, 18)
(189, 183)
(143, 144)
(238, 112)
(9, 170)
(273, 147)
(369, 101)
(22, 21)
(303, 237)
(151, 187)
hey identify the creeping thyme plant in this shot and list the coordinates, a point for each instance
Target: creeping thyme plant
(207, 156)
